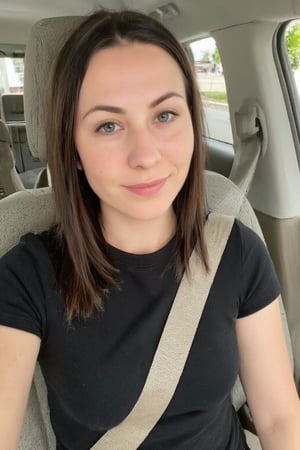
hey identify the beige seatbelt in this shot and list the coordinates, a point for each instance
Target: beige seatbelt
(251, 129)
(174, 345)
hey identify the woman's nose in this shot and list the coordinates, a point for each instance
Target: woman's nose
(143, 151)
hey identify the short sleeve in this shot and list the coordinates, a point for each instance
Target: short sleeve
(22, 286)
(259, 283)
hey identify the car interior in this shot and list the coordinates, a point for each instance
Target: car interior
(249, 87)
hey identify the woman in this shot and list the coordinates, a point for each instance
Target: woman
(90, 297)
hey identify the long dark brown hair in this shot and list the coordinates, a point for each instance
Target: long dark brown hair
(86, 274)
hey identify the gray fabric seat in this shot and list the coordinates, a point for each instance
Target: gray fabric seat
(34, 210)
(9, 179)
(12, 108)
(12, 113)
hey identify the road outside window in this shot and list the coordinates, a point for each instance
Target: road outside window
(212, 87)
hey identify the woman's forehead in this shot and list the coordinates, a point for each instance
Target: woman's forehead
(120, 55)
(136, 68)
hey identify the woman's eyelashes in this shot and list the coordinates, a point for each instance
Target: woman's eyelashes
(110, 127)
(166, 116)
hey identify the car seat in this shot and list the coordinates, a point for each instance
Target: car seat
(30, 169)
(9, 179)
(34, 210)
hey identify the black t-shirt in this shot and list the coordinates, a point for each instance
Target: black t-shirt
(95, 369)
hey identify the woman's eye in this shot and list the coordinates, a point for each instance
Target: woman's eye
(108, 128)
(165, 116)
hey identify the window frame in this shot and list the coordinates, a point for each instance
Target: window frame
(288, 85)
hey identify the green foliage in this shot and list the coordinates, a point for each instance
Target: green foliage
(216, 56)
(214, 95)
(292, 40)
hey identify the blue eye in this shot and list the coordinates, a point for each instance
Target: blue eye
(165, 116)
(108, 128)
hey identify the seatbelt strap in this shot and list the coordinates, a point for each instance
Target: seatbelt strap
(175, 343)
(251, 130)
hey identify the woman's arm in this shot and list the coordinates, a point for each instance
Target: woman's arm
(18, 355)
(268, 380)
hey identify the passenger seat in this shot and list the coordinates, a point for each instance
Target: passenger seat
(10, 181)
(12, 113)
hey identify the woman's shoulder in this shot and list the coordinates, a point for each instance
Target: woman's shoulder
(33, 249)
(27, 282)
(242, 239)
(247, 238)
(258, 281)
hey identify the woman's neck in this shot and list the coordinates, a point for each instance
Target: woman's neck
(138, 236)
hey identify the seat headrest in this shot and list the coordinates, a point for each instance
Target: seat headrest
(4, 134)
(12, 107)
(45, 41)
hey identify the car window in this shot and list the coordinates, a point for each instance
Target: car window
(11, 75)
(288, 48)
(209, 73)
(292, 42)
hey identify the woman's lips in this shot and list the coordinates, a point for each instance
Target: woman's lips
(144, 189)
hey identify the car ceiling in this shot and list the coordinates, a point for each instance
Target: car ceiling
(195, 16)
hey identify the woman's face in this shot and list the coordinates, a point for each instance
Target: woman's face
(134, 132)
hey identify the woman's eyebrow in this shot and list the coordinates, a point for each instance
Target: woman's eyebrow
(118, 110)
(164, 97)
(108, 108)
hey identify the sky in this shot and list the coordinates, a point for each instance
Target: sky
(202, 46)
